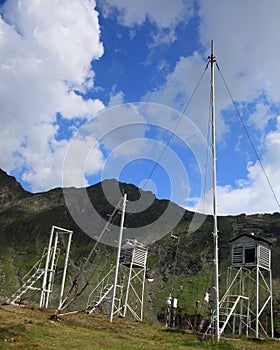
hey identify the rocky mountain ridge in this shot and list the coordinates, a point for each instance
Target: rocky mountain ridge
(26, 220)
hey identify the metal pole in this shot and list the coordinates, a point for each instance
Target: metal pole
(51, 271)
(128, 283)
(257, 300)
(118, 258)
(248, 317)
(43, 295)
(174, 264)
(143, 287)
(242, 292)
(271, 304)
(65, 270)
(215, 224)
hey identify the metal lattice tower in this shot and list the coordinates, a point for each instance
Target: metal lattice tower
(134, 257)
(129, 276)
(121, 291)
(246, 307)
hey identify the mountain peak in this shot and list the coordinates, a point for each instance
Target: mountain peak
(10, 189)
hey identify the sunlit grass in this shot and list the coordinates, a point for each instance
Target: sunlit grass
(32, 328)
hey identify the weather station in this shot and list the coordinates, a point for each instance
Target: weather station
(121, 290)
(247, 306)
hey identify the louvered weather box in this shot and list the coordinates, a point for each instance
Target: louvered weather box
(134, 253)
(250, 251)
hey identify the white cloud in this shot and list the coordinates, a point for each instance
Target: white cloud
(46, 50)
(83, 157)
(43, 167)
(247, 51)
(252, 195)
(179, 87)
(116, 125)
(246, 45)
(116, 99)
(165, 14)
(261, 116)
(247, 55)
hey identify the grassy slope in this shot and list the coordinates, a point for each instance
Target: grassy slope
(29, 232)
(25, 223)
(32, 328)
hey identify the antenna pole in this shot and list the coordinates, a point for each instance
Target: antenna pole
(212, 60)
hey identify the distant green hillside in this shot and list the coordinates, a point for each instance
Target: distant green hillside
(26, 220)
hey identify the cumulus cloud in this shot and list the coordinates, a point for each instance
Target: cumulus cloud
(83, 157)
(244, 33)
(246, 50)
(180, 85)
(255, 194)
(246, 46)
(261, 116)
(165, 14)
(46, 50)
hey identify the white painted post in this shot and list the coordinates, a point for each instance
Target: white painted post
(118, 258)
(65, 270)
(44, 283)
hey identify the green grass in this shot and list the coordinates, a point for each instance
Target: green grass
(32, 328)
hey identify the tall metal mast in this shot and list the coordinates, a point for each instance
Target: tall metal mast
(212, 60)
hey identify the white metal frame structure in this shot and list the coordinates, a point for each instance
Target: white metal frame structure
(116, 301)
(41, 276)
(247, 302)
(124, 291)
(134, 256)
(123, 286)
(51, 263)
(251, 257)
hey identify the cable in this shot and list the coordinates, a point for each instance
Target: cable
(73, 292)
(174, 130)
(248, 135)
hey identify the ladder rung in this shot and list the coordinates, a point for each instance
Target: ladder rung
(34, 288)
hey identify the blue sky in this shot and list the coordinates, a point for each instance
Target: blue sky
(95, 89)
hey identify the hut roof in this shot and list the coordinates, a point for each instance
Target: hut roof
(252, 236)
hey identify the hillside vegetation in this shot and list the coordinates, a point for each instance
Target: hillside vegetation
(26, 220)
(32, 328)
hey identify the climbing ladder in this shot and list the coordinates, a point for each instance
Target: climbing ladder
(28, 285)
(29, 281)
(231, 314)
(101, 293)
(97, 302)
